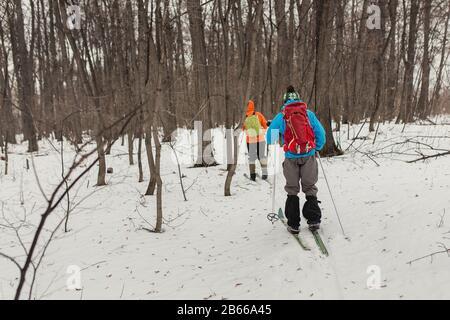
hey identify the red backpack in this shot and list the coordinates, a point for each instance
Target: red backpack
(299, 135)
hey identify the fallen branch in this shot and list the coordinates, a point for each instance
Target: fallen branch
(431, 255)
(430, 157)
(357, 135)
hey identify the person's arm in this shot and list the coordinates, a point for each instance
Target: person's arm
(276, 127)
(319, 131)
(262, 120)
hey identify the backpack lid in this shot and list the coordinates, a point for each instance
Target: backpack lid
(294, 104)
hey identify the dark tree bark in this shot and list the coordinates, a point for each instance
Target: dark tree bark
(423, 104)
(23, 66)
(201, 81)
(406, 111)
(444, 56)
(92, 89)
(392, 72)
(248, 92)
(324, 30)
(378, 64)
(7, 121)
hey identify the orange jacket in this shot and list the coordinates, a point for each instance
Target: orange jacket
(262, 121)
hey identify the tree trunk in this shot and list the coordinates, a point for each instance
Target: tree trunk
(407, 107)
(159, 211)
(248, 91)
(423, 104)
(23, 67)
(7, 121)
(378, 64)
(224, 18)
(141, 172)
(392, 73)
(151, 162)
(201, 81)
(130, 146)
(323, 102)
(444, 56)
(92, 91)
(283, 64)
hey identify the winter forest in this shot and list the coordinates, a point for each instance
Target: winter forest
(124, 164)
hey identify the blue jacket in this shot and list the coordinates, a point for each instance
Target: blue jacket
(278, 126)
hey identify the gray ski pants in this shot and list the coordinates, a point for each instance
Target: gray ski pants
(304, 171)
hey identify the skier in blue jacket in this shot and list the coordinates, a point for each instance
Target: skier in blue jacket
(299, 166)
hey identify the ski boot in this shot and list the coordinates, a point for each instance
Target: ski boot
(312, 213)
(264, 175)
(252, 168)
(293, 230)
(292, 213)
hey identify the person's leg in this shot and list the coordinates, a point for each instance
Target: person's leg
(291, 171)
(309, 172)
(252, 156)
(262, 157)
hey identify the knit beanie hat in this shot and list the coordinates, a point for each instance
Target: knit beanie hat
(290, 95)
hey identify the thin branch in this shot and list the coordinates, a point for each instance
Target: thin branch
(12, 260)
(431, 255)
(430, 157)
(37, 179)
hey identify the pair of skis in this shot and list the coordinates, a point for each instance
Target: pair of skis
(300, 241)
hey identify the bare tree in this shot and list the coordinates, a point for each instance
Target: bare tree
(248, 92)
(408, 91)
(426, 63)
(324, 28)
(201, 83)
(23, 64)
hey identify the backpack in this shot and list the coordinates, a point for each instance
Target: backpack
(299, 136)
(253, 126)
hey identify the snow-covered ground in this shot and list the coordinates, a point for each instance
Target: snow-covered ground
(215, 247)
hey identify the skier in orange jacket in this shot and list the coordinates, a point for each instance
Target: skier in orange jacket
(255, 126)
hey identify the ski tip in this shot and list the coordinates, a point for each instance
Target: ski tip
(280, 213)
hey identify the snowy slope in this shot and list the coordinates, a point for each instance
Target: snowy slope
(225, 248)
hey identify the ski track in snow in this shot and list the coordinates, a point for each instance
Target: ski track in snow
(225, 248)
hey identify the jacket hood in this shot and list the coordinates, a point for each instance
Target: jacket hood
(250, 108)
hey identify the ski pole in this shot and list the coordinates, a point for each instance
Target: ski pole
(331, 195)
(274, 177)
(273, 216)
